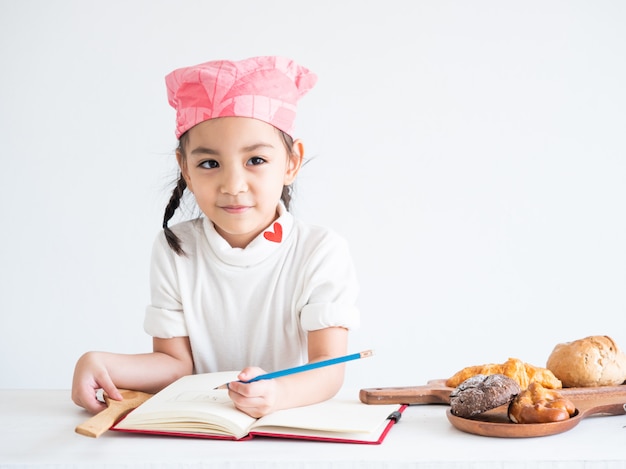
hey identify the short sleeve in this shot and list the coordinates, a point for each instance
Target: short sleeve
(330, 287)
(164, 323)
(164, 316)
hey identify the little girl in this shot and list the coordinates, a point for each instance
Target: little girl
(245, 286)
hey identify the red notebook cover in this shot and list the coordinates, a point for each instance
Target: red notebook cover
(379, 437)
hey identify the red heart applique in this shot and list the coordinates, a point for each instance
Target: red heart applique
(276, 236)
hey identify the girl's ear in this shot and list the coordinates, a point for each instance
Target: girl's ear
(182, 164)
(294, 162)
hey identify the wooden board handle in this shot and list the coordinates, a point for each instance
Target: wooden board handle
(103, 421)
(435, 392)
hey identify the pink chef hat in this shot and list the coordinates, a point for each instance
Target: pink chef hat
(265, 88)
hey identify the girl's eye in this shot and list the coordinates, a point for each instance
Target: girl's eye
(256, 160)
(209, 164)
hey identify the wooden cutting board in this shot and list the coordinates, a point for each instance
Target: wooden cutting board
(606, 400)
(436, 392)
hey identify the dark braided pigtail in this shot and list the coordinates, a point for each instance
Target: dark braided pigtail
(287, 190)
(286, 196)
(172, 205)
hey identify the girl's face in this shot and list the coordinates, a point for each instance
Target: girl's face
(236, 168)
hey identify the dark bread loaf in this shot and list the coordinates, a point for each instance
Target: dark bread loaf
(481, 393)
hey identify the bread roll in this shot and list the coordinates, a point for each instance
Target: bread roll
(592, 361)
(540, 405)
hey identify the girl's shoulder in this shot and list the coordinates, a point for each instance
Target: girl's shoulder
(187, 232)
(188, 227)
(319, 236)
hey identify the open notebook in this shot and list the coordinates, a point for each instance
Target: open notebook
(192, 407)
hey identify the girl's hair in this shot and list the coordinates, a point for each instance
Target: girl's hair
(179, 191)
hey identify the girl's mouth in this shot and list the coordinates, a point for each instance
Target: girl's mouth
(235, 209)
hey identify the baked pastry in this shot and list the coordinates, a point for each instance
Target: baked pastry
(540, 405)
(593, 361)
(514, 368)
(481, 393)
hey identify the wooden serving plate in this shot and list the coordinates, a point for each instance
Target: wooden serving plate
(602, 400)
(496, 422)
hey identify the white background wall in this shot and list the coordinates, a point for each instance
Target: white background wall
(472, 152)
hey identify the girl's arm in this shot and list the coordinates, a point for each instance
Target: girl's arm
(266, 396)
(148, 372)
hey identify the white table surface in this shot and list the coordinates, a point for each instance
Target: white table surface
(37, 430)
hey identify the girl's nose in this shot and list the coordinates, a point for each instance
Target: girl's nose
(234, 181)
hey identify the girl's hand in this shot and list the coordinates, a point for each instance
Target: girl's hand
(255, 399)
(90, 375)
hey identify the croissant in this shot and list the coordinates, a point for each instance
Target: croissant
(514, 368)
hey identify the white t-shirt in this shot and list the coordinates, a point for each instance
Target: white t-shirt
(252, 306)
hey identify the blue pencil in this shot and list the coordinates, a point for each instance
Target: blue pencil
(307, 367)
